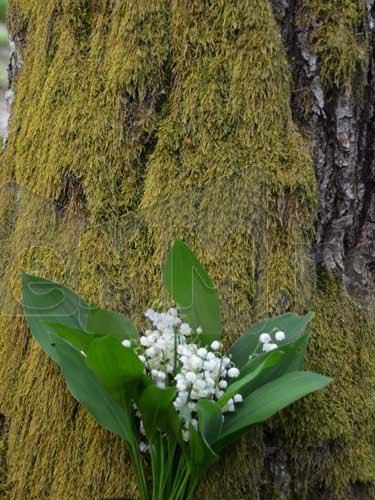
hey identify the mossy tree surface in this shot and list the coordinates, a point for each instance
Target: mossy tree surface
(134, 123)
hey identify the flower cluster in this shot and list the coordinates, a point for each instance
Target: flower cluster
(173, 359)
(268, 344)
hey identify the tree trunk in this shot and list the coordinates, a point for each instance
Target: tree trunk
(245, 128)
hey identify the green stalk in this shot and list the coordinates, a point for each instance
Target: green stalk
(177, 477)
(254, 351)
(154, 466)
(180, 494)
(193, 486)
(175, 354)
(161, 474)
(174, 478)
(169, 475)
(138, 468)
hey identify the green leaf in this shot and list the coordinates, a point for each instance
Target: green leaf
(268, 400)
(210, 420)
(271, 360)
(117, 367)
(292, 324)
(192, 289)
(158, 412)
(111, 323)
(45, 301)
(200, 453)
(78, 338)
(87, 389)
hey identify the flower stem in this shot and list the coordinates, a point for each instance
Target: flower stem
(138, 468)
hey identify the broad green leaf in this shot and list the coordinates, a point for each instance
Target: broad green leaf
(201, 454)
(292, 324)
(78, 338)
(270, 399)
(239, 385)
(210, 420)
(87, 389)
(45, 301)
(291, 360)
(193, 291)
(117, 367)
(111, 323)
(158, 412)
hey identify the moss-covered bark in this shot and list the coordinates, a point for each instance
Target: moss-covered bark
(145, 121)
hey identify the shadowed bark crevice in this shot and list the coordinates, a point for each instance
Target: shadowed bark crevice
(338, 121)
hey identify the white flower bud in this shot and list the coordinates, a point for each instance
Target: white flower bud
(231, 406)
(211, 365)
(199, 384)
(191, 377)
(216, 345)
(126, 343)
(181, 386)
(223, 384)
(151, 352)
(185, 329)
(199, 330)
(143, 447)
(83, 354)
(233, 372)
(202, 352)
(280, 336)
(150, 314)
(161, 344)
(210, 356)
(238, 398)
(269, 347)
(264, 338)
(210, 382)
(196, 362)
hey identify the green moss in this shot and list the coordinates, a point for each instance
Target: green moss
(329, 435)
(3, 453)
(339, 38)
(156, 120)
(117, 78)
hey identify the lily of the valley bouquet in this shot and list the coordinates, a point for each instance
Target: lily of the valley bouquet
(171, 391)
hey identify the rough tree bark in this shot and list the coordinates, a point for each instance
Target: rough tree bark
(244, 127)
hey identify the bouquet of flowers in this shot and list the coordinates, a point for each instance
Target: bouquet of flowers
(171, 392)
